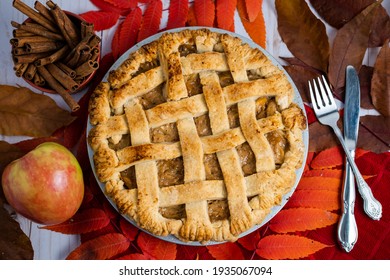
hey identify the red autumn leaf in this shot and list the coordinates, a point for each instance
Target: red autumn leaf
(101, 20)
(322, 199)
(256, 29)
(82, 222)
(101, 248)
(301, 219)
(115, 42)
(123, 4)
(225, 14)
(282, 246)
(226, 251)
(249, 241)
(108, 7)
(178, 11)
(188, 252)
(134, 256)
(204, 12)
(332, 173)
(129, 30)
(320, 183)
(191, 18)
(110, 228)
(155, 248)
(128, 229)
(151, 20)
(311, 116)
(329, 158)
(30, 144)
(253, 7)
(350, 45)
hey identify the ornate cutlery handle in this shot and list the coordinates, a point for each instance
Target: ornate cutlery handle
(347, 228)
(372, 207)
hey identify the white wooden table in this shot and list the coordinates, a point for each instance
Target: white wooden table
(51, 245)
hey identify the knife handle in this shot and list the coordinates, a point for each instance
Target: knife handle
(347, 228)
(371, 206)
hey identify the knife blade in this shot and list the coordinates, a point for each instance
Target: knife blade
(347, 227)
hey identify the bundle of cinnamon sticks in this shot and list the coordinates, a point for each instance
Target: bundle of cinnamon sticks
(54, 49)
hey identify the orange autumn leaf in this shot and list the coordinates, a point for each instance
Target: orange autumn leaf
(101, 248)
(322, 199)
(332, 173)
(204, 12)
(301, 219)
(225, 14)
(320, 183)
(253, 7)
(329, 158)
(256, 29)
(282, 246)
(226, 251)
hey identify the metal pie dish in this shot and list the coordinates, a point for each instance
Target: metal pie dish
(296, 99)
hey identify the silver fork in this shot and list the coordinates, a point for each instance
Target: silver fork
(327, 113)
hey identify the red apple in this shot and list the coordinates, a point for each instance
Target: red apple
(45, 185)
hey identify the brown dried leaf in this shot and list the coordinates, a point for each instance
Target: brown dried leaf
(23, 112)
(14, 243)
(321, 137)
(380, 84)
(300, 75)
(374, 133)
(350, 45)
(365, 76)
(337, 13)
(304, 34)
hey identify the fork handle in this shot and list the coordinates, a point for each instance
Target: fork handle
(371, 206)
(347, 227)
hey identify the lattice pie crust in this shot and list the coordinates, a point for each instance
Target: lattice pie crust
(195, 135)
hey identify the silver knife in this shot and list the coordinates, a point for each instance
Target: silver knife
(347, 228)
(371, 206)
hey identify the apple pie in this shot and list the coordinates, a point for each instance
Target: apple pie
(196, 135)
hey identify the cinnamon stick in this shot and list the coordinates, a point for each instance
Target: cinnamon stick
(53, 57)
(65, 80)
(21, 33)
(86, 68)
(38, 30)
(95, 53)
(66, 26)
(38, 47)
(44, 11)
(19, 51)
(38, 80)
(54, 84)
(86, 29)
(29, 58)
(34, 15)
(69, 71)
(30, 71)
(21, 41)
(21, 69)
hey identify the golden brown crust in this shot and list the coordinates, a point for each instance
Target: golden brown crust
(244, 100)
